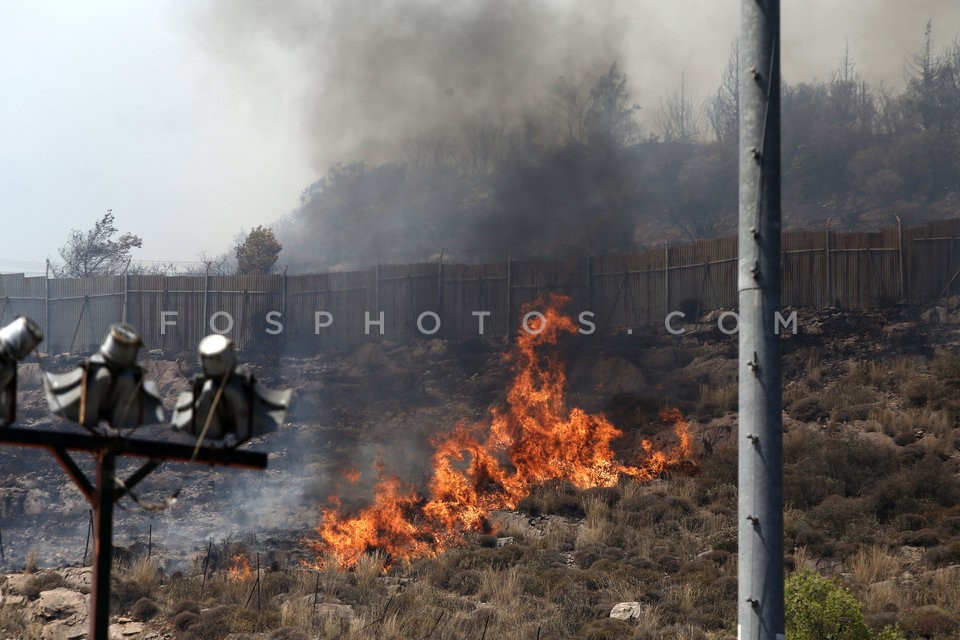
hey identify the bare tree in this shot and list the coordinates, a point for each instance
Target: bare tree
(723, 109)
(430, 150)
(571, 107)
(678, 116)
(98, 251)
(484, 145)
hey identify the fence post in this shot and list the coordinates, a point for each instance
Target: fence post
(590, 282)
(163, 307)
(126, 292)
(509, 301)
(376, 293)
(206, 292)
(283, 302)
(829, 250)
(440, 285)
(666, 277)
(903, 275)
(46, 307)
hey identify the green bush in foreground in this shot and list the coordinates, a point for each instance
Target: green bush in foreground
(818, 608)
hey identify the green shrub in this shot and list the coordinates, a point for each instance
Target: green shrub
(818, 608)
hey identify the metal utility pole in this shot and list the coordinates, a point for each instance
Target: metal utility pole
(760, 607)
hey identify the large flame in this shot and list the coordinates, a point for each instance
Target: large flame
(479, 468)
(239, 568)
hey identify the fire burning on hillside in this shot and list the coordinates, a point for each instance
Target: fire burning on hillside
(478, 468)
(239, 568)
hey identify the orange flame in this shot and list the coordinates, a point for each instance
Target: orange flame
(239, 568)
(479, 468)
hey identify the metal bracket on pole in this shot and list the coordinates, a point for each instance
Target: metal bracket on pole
(106, 489)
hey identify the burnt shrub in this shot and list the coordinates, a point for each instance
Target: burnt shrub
(587, 555)
(804, 489)
(921, 538)
(943, 555)
(144, 609)
(465, 583)
(932, 621)
(924, 484)
(532, 506)
(185, 605)
(565, 505)
(487, 540)
(812, 539)
(43, 581)
(849, 519)
(184, 620)
(817, 464)
(910, 522)
(124, 592)
(904, 438)
(808, 409)
(950, 525)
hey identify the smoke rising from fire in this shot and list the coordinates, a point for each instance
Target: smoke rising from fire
(376, 75)
(473, 123)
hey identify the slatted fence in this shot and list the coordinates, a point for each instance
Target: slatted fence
(857, 270)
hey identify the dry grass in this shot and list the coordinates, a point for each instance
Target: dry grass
(814, 368)
(596, 526)
(872, 564)
(15, 623)
(31, 564)
(369, 570)
(717, 401)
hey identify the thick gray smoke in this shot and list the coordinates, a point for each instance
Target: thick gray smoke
(376, 75)
(496, 128)
(450, 107)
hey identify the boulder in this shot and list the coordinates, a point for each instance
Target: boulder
(125, 628)
(60, 603)
(627, 610)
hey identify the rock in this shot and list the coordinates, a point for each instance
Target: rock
(125, 629)
(900, 327)
(934, 315)
(627, 610)
(517, 522)
(77, 576)
(341, 610)
(36, 502)
(64, 630)
(504, 541)
(61, 603)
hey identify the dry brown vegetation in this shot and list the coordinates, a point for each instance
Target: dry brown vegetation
(872, 492)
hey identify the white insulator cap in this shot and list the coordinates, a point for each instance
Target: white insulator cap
(120, 347)
(217, 356)
(18, 338)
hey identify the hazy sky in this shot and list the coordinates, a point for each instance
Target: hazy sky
(195, 120)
